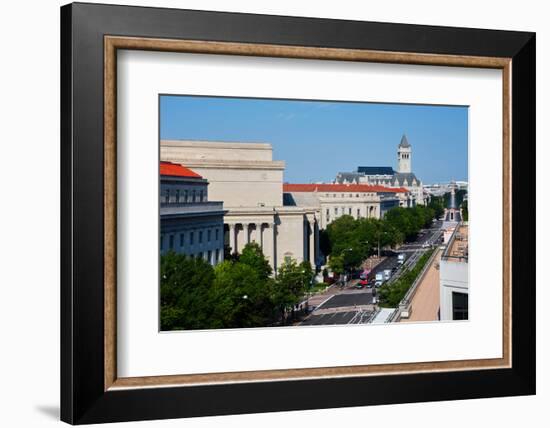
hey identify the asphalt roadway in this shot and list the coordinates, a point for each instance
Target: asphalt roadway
(352, 306)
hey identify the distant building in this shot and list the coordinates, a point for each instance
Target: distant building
(453, 274)
(189, 223)
(336, 200)
(386, 176)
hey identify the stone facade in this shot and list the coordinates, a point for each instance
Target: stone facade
(250, 183)
(189, 223)
(335, 200)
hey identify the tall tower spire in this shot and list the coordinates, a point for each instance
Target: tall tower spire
(404, 156)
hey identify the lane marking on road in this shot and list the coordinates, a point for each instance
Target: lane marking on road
(324, 301)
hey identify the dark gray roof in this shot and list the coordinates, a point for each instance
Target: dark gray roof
(402, 176)
(404, 142)
(348, 177)
(375, 170)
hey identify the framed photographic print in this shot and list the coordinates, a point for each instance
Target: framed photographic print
(256, 208)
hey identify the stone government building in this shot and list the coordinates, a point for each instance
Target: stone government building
(386, 176)
(336, 200)
(189, 223)
(250, 183)
(284, 219)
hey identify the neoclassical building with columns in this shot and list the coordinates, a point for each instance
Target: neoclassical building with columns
(250, 183)
(356, 200)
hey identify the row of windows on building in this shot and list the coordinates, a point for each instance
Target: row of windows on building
(211, 256)
(343, 211)
(337, 211)
(182, 239)
(179, 196)
(343, 195)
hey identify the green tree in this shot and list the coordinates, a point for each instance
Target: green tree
(252, 256)
(184, 292)
(240, 296)
(465, 210)
(336, 264)
(293, 280)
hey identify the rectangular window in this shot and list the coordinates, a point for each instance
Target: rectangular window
(177, 195)
(210, 258)
(209, 235)
(191, 238)
(358, 212)
(161, 242)
(200, 237)
(199, 255)
(335, 210)
(349, 210)
(217, 256)
(460, 306)
(182, 239)
(185, 196)
(171, 242)
(194, 197)
(167, 195)
(217, 234)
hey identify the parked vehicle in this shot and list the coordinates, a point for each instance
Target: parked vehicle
(387, 274)
(401, 258)
(379, 279)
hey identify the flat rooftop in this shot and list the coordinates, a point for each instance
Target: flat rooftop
(457, 249)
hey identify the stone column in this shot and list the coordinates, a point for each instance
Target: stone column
(268, 242)
(316, 232)
(305, 239)
(259, 236)
(273, 247)
(232, 238)
(312, 242)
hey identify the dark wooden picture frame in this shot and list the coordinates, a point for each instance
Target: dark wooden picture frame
(90, 37)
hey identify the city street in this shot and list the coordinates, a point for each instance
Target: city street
(349, 305)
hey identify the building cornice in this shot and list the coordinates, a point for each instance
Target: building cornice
(232, 164)
(216, 144)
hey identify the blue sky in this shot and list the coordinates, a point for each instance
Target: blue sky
(318, 139)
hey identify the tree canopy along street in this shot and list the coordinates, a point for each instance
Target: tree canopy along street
(237, 293)
(243, 291)
(411, 232)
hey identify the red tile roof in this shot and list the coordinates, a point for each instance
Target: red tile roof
(287, 187)
(177, 170)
